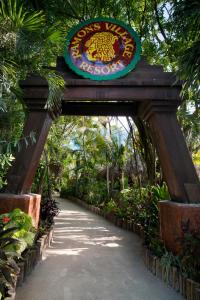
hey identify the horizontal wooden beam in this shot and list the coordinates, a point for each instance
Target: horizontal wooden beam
(98, 109)
(144, 75)
(121, 93)
(135, 78)
(105, 93)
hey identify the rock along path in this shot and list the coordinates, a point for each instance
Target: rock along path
(91, 259)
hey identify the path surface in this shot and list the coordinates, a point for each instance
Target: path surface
(91, 259)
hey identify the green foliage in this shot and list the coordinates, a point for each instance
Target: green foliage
(189, 33)
(10, 147)
(69, 190)
(141, 206)
(111, 207)
(25, 34)
(25, 232)
(5, 163)
(49, 210)
(168, 260)
(13, 12)
(91, 158)
(188, 260)
(190, 254)
(8, 266)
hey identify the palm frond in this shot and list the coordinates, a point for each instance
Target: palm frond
(54, 35)
(34, 21)
(56, 86)
(8, 68)
(13, 10)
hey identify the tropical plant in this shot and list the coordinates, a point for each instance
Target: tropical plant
(25, 233)
(8, 266)
(25, 33)
(49, 210)
(168, 260)
(5, 163)
(190, 252)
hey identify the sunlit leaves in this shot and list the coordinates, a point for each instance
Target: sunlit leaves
(17, 17)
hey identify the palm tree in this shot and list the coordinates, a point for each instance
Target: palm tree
(25, 37)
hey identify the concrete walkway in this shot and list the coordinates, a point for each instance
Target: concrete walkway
(91, 259)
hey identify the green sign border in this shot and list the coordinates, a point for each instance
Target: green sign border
(119, 74)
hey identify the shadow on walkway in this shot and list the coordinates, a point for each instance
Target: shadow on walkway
(91, 259)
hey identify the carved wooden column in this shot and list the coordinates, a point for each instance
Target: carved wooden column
(176, 162)
(178, 170)
(22, 172)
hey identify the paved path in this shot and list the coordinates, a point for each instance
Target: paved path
(91, 259)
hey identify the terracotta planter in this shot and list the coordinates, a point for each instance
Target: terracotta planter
(172, 216)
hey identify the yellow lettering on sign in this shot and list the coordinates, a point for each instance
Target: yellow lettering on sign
(88, 28)
(92, 27)
(129, 47)
(120, 32)
(82, 33)
(111, 27)
(117, 29)
(97, 26)
(76, 53)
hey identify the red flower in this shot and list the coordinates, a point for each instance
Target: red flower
(6, 220)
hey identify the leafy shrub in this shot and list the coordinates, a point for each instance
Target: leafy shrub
(8, 266)
(141, 206)
(95, 192)
(190, 253)
(168, 260)
(24, 233)
(67, 191)
(16, 234)
(111, 207)
(49, 209)
(188, 261)
(129, 203)
(5, 162)
(149, 217)
(91, 191)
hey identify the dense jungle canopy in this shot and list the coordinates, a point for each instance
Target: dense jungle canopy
(32, 35)
(108, 162)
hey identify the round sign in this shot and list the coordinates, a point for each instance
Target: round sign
(102, 49)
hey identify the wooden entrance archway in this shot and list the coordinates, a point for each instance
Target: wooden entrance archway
(147, 91)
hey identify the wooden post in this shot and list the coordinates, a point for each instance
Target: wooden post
(178, 169)
(20, 176)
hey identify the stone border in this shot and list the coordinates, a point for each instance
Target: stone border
(188, 288)
(29, 260)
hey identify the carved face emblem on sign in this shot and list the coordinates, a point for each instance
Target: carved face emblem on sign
(102, 49)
